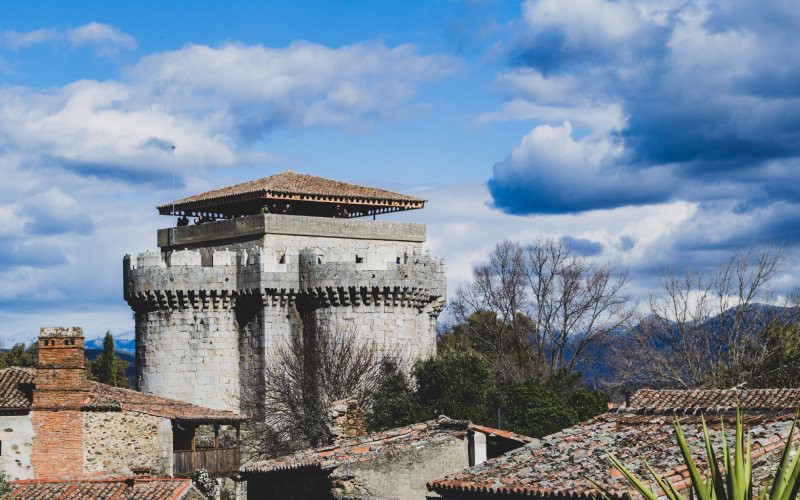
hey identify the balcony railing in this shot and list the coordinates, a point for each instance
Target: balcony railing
(218, 462)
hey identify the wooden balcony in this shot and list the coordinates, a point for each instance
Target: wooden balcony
(219, 462)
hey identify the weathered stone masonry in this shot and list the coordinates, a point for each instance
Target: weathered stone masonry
(215, 302)
(120, 441)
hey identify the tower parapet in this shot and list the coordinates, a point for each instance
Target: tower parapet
(219, 298)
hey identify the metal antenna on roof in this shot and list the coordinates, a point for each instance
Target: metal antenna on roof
(174, 194)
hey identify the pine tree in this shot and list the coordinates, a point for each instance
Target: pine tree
(107, 362)
(108, 368)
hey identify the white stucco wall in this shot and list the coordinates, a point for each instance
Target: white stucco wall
(16, 435)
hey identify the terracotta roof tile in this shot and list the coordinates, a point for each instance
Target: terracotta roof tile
(375, 445)
(301, 185)
(105, 397)
(561, 464)
(12, 393)
(714, 400)
(101, 489)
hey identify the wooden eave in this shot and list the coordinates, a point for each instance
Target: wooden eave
(223, 204)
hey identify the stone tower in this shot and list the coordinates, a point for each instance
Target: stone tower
(213, 304)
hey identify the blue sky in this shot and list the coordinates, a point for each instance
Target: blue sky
(646, 134)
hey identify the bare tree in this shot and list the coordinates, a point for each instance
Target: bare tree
(534, 310)
(706, 329)
(289, 404)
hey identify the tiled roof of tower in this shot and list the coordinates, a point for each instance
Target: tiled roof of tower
(100, 489)
(370, 447)
(12, 397)
(291, 185)
(562, 464)
(102, 397)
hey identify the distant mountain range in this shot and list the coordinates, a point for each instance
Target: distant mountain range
(120, 345)
(597, 365)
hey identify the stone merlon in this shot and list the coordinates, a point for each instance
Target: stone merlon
(181, 280)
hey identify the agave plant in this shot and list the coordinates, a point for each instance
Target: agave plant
(733, 481)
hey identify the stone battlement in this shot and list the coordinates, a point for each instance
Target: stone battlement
(215, 279)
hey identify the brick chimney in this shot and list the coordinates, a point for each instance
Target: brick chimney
(60, 392)
(61, 372)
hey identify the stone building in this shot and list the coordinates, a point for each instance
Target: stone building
(564, 464)
(56, 424)
(392, 464)
(265, 257)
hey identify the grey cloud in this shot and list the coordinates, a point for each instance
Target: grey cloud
(708, 95)
(583, 246)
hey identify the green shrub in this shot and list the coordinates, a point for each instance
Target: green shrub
(453, 383)
(394, 403)
(530, 409)
(587, 403)
(6, 488)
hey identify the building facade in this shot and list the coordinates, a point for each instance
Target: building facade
(57, 425)
(391, 464)
(267, 258)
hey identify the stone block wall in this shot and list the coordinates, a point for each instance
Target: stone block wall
(399, 332)
(115, 442)
(189, 354)
(16, 445)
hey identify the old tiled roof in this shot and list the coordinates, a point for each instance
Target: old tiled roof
(563, 463)
(101, 489)
(491, 431)
(714, 401)
(375, 445)
(12, 382)
(293, 185)
(106, 397)
(102, 397)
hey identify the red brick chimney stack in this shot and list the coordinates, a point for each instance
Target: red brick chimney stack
(59, 393)
(61, 372)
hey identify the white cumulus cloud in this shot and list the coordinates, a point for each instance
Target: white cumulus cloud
(16, 40)
(105, 39)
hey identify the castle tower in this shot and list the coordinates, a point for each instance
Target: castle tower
(218, 298)
(58, 398)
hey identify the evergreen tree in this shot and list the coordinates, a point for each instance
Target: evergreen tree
(529, 409)
(453, 383)
(394, 403)
(19, 356)
(108, 368)
(107, 362)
